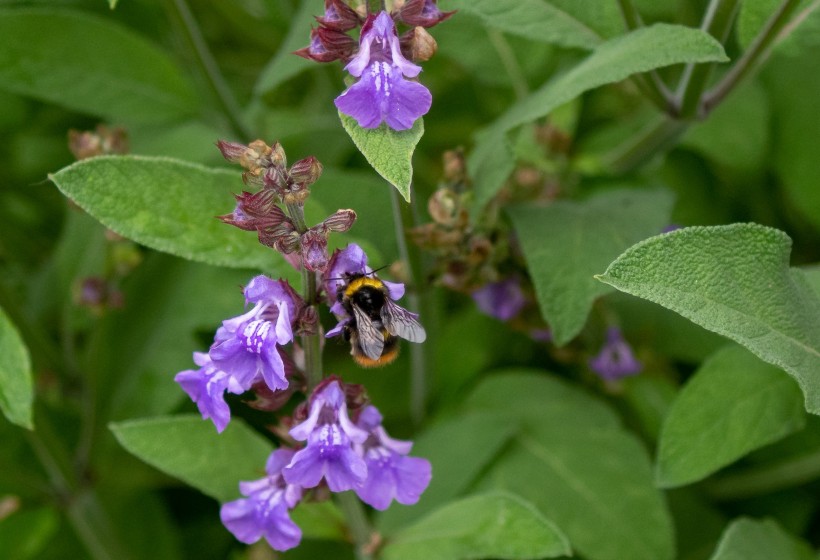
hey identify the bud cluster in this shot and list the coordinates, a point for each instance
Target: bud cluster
(330, 40)
(266, 168)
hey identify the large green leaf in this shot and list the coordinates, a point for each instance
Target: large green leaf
(91, 65)
(734, 280)
(615, 60)
(574, 462)
(750, 539)
(16, 391)
(389, 151)
(532, 19)
(566, 243)
(169, 205)
(734, 404)
(493, 525)
(190, 449)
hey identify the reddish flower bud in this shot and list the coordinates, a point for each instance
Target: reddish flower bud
(340, 221)
(422, 12)
(339, 16)
(309, 320)
(314, 249)
(306, 171)
(339, 44)
(231, 151)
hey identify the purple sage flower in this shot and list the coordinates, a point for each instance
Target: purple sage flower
(382, 93)
(330, 435)
(246, 347)
(391, 474)
(502, 300)
(206, 386)
(264, 510)
(615, 360)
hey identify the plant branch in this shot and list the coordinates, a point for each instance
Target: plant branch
(757, 52)
(658, 136)
(210, 69)
(510, 63)
(360, 528)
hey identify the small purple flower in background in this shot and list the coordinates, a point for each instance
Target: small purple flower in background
(264, 510)
(246, 347)
(329, 454)
(206, 386)
(383, 94)
(615, 360)
(502, 300)
(391, 475)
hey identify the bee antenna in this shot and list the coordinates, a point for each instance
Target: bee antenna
(378, 269)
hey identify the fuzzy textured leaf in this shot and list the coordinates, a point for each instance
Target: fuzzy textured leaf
(593, 479)
(735, 403)
(750, 539)
(103, 69)
(168, 205)
(388, 151)
(532, 19)
(583, 238)
(615, 60)
(190, 449)
(734, 280)
(494, 525)
(16, 391)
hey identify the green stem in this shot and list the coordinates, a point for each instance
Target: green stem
(360, 528)
(210, 69)
(659, 136)
(717, 21)
(765, 479)
(757, 52)
(311, 343)
(510, 63)
(418, 380)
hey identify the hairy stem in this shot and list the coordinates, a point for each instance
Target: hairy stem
(360, 528)
(209, 68)
(659, 136)
(510, 63)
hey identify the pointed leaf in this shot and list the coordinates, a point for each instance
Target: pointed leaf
(566, 243)
(190, 449)
(168, 205)
(494, 525)
(734, 280)
(532, 19)
(638, 51)
(735, 403)
(103, 69)
(16, 391)
(750, 539)
(389, 151)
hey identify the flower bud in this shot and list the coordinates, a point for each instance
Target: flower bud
(277, 156)
(316, 50)
(418, 45)
(422, 12)
(102, 141)
(443, 206)
(231, 151)
(314, 249)
(309, 320)
(256, 157)
(339, 16)
(340, 221)
(306, 171)
(274, 179)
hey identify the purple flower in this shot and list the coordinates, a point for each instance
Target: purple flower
(615, 360)
(502, 300)
(329, 454)
(391, 475)
(206, 386)
(382, 94)
(246, 347)
(264, 511)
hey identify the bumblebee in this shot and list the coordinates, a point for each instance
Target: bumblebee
(376, 322)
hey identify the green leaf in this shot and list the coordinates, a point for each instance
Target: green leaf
(112, 3)
(103, 69)
(168, 205)
(615, 60)
(494, 525)
(285, 65)
(16, 390)
(190, 449)
(733, 280)
(389, 151)
(574, 462)
(750, 539)
(24, 534)
(532, 19)
(735, 403)
(583, 237)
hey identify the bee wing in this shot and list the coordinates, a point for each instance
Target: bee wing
(400, 322)
(370, 337)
